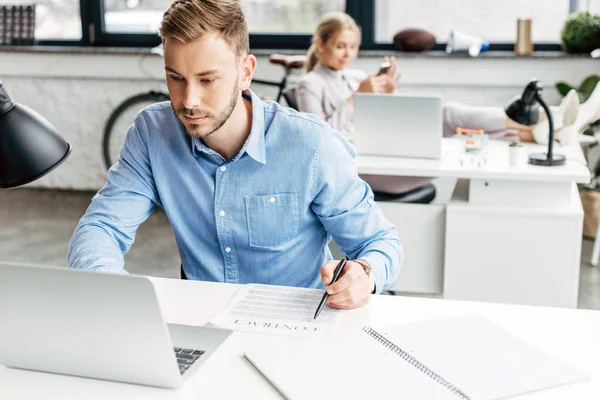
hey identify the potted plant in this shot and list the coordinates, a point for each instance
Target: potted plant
(581, 33)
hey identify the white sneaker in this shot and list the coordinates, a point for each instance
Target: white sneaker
(589, 111)
(563, 117)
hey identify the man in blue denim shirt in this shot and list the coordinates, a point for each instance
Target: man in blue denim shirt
(253, 191)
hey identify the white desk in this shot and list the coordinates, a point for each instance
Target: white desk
(570, 335)
(497, 167)
(509, 234)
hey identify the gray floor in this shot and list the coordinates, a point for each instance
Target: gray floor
(36, 226)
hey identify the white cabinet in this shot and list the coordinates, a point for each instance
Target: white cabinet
(513, 254)
(421, 228)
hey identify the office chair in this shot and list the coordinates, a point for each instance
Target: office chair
(421, 195)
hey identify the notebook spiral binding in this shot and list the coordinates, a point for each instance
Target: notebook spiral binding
(414, 362)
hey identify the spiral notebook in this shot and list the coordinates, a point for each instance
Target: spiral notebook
(465, 357)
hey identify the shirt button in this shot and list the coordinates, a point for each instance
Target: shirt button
(227, 249)
(223, 168)
(272, 200)
(222, 213)
(370, 201)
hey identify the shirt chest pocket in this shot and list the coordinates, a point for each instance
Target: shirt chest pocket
(272, 218)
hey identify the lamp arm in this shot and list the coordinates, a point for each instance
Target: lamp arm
(538, 97)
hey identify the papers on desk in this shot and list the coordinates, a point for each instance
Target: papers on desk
(279, 310)
(465, 357)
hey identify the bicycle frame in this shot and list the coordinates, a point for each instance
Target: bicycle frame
(281, 85)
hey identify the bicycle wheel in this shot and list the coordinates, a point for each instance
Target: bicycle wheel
(121, 119)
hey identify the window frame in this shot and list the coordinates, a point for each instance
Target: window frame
(363, 11)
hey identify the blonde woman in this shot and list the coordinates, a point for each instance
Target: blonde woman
(327, 91)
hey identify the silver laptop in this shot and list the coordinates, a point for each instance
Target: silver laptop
(400, 126)
(95, 325)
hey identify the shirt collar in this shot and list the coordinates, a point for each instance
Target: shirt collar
(255, 143)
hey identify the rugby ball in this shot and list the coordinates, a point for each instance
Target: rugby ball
(413, 39)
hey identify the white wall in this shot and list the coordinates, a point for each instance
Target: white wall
(77, 92)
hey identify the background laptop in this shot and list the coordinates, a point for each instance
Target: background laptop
(95, 325)
(401, 126)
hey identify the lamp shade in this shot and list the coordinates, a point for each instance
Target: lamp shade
(525, 109)
(30, 147)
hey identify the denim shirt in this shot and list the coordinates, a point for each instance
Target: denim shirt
(263, 216)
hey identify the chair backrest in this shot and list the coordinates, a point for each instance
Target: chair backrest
(421, 195)
(289, 95)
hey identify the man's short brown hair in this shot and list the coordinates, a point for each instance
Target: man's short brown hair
(188, 20)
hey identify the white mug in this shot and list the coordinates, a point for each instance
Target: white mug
(517, 156)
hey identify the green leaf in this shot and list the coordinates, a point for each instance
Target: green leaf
(563, 88)
(588, 85)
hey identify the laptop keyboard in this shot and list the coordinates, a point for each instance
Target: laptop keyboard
(186, 357)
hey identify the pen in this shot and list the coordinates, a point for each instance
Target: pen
(336, 275)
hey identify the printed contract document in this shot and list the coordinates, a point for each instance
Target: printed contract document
(279, 310)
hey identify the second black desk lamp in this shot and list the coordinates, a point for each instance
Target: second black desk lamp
(525, 110)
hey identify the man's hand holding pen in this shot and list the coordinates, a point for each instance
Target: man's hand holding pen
(352, 289)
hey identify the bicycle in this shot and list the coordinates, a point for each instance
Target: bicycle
(124, 114)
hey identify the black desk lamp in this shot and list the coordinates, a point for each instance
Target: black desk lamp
(30, 147)
(524, 110)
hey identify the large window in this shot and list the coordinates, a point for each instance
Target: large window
(133, 16)
(263, 16)
(279, 24)
(287, 16)
(55, 19)
(494, 20)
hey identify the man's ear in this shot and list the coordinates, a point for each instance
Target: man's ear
(247, 71)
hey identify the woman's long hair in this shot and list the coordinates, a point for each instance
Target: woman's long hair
(331, 24)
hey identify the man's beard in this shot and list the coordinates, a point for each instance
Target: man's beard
(195, 130)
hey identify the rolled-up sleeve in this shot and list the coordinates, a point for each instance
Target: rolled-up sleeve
(107, 230)
(345, 206)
